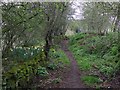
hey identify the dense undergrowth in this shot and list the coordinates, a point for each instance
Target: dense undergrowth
(26, 63)
(96, 56)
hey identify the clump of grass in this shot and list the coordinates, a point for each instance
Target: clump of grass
(58, 59)
(84, 63)
(64, 59)
(91, 80)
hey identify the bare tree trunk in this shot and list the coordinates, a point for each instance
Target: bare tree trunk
(116, 24)
(117, 19)
(48, 44)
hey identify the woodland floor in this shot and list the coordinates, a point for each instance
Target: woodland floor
(72, 80)
(70, 76)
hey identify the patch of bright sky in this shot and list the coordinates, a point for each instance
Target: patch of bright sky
(77, 6)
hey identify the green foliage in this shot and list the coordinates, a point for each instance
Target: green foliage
(102, 44)
(20, 25)
(20, 75)
(57, 59)
(27, 24)
(77, 37)
(117, 66)
(91, 80)
(42, 71)
(95, 19)
(52, 66)
(108, 70)
(96, 53)
(25, 53)
(63, 59)
(84, 64)
(114, 50)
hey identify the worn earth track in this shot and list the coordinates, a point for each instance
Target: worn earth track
(72, 79)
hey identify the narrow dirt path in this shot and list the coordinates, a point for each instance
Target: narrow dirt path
(72, 79)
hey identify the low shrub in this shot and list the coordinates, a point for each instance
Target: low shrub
(77, 37)
(42, 71)
(114, 50)
(52, 66)
(57, 59)
(24, 53)
(21, 75)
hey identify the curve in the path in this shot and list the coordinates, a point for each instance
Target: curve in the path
(72, 79)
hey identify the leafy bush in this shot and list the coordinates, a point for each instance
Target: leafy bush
(77, 37)
(52, 66)
(101, 44)
(114, 50)
(20, 75)
(42, 71)
(24, 53)
(57, 59)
